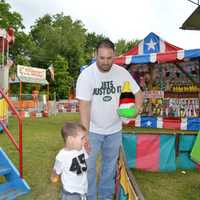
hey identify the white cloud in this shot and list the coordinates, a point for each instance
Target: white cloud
(119, 19)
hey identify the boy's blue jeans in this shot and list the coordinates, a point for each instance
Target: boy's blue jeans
(109, 146)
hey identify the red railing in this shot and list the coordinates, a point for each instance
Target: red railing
(18, 146)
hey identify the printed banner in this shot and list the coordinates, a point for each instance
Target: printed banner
(31, 74)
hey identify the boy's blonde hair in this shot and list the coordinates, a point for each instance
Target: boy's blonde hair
(71, 129)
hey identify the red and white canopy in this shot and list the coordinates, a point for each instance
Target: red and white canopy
(153, 49)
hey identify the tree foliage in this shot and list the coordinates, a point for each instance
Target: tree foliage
(63, 81)
(123, 46)
(8, 18)
(22, 48)
(58, 40)
(58, 35)
(92, 39)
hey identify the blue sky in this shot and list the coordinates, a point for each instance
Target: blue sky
(116, 19)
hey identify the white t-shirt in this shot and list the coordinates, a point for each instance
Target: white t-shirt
(103, 90)
(71, 165)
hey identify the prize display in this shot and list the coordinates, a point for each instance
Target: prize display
(170, 90)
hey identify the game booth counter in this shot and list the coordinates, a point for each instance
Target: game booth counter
(163, 136)
(34, 104)
(169, 78)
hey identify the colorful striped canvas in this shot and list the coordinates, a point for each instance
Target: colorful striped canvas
(167, 153)
(129, 145)
(186, 143)
(147, 152)
(150, 152)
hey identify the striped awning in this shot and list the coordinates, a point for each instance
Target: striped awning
(153, 49)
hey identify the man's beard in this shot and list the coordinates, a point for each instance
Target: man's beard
(104, 68)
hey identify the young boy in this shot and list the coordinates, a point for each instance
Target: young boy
(70, 163)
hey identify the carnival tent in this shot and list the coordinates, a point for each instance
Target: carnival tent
(153, 49)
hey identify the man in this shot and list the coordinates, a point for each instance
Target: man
(98, 90)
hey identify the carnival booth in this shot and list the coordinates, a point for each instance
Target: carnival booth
(34, 104)
(170, 79)
(167, 129)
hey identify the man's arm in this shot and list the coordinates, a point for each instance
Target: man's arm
(84, 109)
(139, 101)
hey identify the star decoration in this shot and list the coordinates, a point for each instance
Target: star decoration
(148, 123)
(151, 45)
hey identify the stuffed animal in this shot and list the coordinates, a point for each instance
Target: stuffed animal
(127, 102)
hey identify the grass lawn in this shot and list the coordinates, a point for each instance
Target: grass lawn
(41, 142)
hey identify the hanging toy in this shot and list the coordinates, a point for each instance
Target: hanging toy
(127, 102)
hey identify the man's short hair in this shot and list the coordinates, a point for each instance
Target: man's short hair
(107, 43)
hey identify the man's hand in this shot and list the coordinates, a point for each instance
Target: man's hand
(87, 145)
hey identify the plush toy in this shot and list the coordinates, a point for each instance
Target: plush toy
(127, 102)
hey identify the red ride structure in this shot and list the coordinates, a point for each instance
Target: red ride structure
(6, 39)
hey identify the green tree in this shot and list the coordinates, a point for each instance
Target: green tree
(18, 51)
(8, 18)
(63, 81)
(92, 39)
(58, 35)
(122, 46)
(22, 48)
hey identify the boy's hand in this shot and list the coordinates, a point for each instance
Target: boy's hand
(54, 177)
